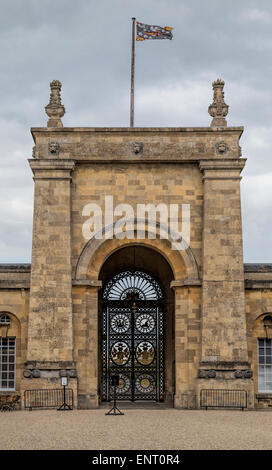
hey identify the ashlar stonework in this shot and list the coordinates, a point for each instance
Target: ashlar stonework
(214, 305)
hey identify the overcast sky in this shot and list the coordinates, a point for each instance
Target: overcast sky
(86, 45)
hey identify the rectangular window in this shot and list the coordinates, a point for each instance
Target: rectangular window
(264, 366)
(7, 363)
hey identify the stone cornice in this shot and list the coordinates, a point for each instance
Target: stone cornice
(52, 169)
(87, 283)
(224, 365)
(222, 164)
(223, 169)
(185, 283)
(15, 267)
(136, 145)
(258, 267)
(135, 130)
(258, 284)
(56, 164)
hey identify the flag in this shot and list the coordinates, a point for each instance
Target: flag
(146, 31)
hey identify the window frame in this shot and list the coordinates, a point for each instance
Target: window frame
(265, 366)
(8, 389)
(6, 316)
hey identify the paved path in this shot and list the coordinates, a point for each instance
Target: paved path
(138, 429)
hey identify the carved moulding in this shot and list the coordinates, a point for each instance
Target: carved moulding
(243, 374)
(225, 374)
(221, 148)
(207, 374)
(137, 147)
(53, 148)
(36, 373)
(31, 374)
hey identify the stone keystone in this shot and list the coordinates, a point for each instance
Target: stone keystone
(218, 109)
(55, 110)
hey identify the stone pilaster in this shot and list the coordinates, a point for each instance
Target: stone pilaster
(50, 332)
(224, 355)
(187, 336)
(86, 328)
(223, 297)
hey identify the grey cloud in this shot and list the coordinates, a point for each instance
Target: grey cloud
(86, 45)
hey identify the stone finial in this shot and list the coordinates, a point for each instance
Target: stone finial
(55, 110)
(218, 109)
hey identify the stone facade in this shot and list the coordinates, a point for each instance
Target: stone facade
(214, 303)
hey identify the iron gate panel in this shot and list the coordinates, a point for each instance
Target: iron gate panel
(133, 340)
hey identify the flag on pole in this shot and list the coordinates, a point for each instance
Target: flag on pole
(142, 32)
(146, 31)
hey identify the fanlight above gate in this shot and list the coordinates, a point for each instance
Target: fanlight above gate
(138, 283)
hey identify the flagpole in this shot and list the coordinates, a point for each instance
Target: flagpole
(132, 74)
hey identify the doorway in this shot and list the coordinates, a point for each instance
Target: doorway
(133, 337)
(136, 311)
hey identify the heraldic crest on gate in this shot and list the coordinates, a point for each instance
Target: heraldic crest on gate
(132, 343)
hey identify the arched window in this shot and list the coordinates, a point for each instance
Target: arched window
(265, 357)
(4, 319)
(267, 321)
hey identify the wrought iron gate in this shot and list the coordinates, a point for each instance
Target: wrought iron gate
(133, 337)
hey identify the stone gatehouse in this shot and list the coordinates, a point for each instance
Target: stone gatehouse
(169, 322)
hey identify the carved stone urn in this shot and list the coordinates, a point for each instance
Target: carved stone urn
(55, 110)
(218, 109)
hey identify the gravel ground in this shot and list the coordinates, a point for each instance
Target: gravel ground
(137, 429)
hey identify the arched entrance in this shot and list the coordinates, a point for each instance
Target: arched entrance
(136, 310)
(133, 337)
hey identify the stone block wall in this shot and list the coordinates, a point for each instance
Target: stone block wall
(137, 183)
(73, 167)
(187, 344)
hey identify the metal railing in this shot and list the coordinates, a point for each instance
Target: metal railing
(214, 398)
(47, 398)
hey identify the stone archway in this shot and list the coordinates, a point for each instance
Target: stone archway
(182, 262)
(183, 288)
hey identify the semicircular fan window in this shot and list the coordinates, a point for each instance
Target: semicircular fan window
(136, 283)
